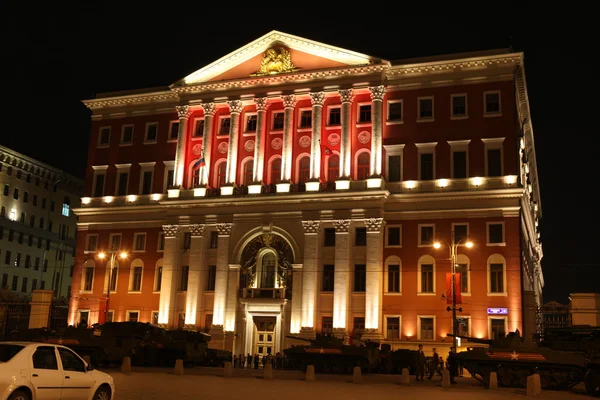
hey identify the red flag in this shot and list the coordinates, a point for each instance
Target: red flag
(456, 288)
(326, 150)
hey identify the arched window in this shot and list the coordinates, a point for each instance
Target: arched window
(496, 266)
(363, 166)
(426, 275)
(136, 272)
(248, 172)
(333, 168)
(304, 169)
(87, 276)
(393, 275)
(276, 171)
(221, 174)
(158, 275)
(268, 269)
(113, 278)
(463, 268)
(196, 176)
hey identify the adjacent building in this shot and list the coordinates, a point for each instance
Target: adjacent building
(37, 224)
(296, 188)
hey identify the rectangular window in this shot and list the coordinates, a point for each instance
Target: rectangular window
(328, 277)
(360, 277)
(427, 172)
(154, 318)
(492, 103)
(463, 271)
(198, 128)
(393, 328)
(92, 243)
(6, 190)
(494, 162)
(99, 185)
(495, 233)
(360, 238)
(174, 131)
(45, 267)
(88, 276)
(114, 275)
(305, 119)
(278, 121)
(123, 179)
(426, 108)
(329, 237)
(426, 235)
(251, 121)
(132, 316)
(140, 242)
(208, 319)
(426, 328)
(4, 281)
(7, 257)
(459, 105)
(36, 265)
(225, 126)
(463, 326)
(136, 281)
(461, 231)
(27, 261)
(161, 241)
(326, 325)
(147, 182)
(170, 175)
(127, 134)
(394, 236)
(364, 113)
(35, 201)
(358, 325)
(185, 271)
(187, 240)
(158, 279)
(212, 277)
(43, 285)
(16, 194)
(25, 197)
(115, 242)
(151, 132)
(214, 239)
(426, 278)
(15, 283)
(104, 136)
(395, 111)
(459, 164)
(395, 168)
(498, 330)
(496, 278)
(335, 116)
(393, 278)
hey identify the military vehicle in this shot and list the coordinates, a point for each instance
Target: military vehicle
(330, 355)
(394, 361)
(514, 360)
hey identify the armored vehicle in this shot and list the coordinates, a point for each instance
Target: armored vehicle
(330, 355)
(394, 361)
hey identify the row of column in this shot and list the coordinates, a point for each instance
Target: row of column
(289, 103)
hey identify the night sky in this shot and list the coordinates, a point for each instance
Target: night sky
(52, 59)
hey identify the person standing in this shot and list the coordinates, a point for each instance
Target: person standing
(420, 363)
(435, 365)
(452, 364)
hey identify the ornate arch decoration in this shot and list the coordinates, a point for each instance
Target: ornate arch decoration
(256, 248)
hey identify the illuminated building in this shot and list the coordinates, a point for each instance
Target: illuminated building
(292, 187)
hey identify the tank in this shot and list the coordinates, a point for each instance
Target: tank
(330, 355)
(514, 360)
(394, 361)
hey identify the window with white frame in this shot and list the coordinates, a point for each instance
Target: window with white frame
(463, 270)
(114, 241)
(251, 123)
(126, 135)
(426, 327)
(83, 317)
(426, 275)
(393, 235)
(158, 275)
(136, 272)
(87, 276)
(494, 165)
(91, 243)
(459, 164)
(497, 327)
(393, 275)
(496, 267)
(99, 180)
(161, 242)
(110, 316)
(393, 165)
(363, 165)
(392, 326)
(492, 103)
(151, 132)
(139, 242)
(335, 116)
(464, 325)
(495, 234)
(305, 120)
(122, 183)
(395, 111)
(278, 117)
(224, 125)
(364, 113)
(198, 130)
(458, 106)
(133, 316)
(111, 276)
(146, 177)
(169, 172)
(426, 234)
(426, 160)
(173, 131)
(460, 231)
(104, 136)
(425, 109)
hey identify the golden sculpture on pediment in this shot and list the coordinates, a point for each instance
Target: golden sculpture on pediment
(276, 60)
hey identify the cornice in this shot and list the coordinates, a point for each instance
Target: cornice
(131, 100)
(483, 212)
(460, 195)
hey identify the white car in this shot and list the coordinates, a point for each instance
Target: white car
(43, 371)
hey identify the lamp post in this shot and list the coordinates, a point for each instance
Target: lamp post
(453, 246)
(113, 256)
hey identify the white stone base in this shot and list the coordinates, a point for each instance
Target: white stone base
(173, 193)
(200, 192)
(342, 184)
(255, 189)
(227, 190)
(283, 187)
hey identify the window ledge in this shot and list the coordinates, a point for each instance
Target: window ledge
(103, 146)
(172, 141)
(495, 244)
(425, 245)
(134, 292)
(196, 138)
(139, 251)
(494, 114)
(247, 134)
(393, 246)
(327, 293)
(459, 117)
(419, 120)
(150, 142)
(364, 124)
(497, 294)
(222, 136)
(275, 131)
(336, 126)
(465, 294)
(156, 292)
(307, 129)
(426, 294)
(125, 144)
(392, 293)
(395, 122)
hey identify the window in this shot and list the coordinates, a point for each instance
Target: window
(27, 261)
(154, 318)
(99, 185)
(214, 239)
(326, 325)
(278, 121)
(492, 103)
(426, 166)
(395, 168)
(459, 164)
(426, 278)
(363, 166)
(463, 271)
(25, 197)
(115, 241)
(139, 242)
(33, 284)
(395, 110)
(305, 119)
(329, 237)
(393, 236)
(127, 134)
(393, 285)
(24, 285)
(187, 240)
(212, 277)
(494, 162)
(360, 238)
(45, 358)
(6, 190)
(328, 277)
(158, 278)
(459, 105)
(461, 233)
(392, 328)
(276, 171)
(122, 183)
(3, 212)
(221, 173)
(304, 170)
(185, 270)
(151, 132)
(248, 172)
(161, 241)
(360, 277)
(426, 328)
(426, 235)
(4, 281)
(335, 116)
(113, 277)
(495, 233)
(136, 279)
(333, 168)
(425, 105)
(16, 194)
(174, 130)
(358, 325)
(133, 316)
(146, 182)
(364, 113)
(225, 126)
(463, 326)
(44, 203)
(251, 121)
(15, 283)
(84, 316)
(104, 136)
(497, 328)
(19, 173)
(92, 243)
(66, 210)
(198, 128)
(496, 278)
(88, 278)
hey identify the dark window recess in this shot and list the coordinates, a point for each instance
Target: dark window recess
(329, 237)
(151, 132)
(460, 234)
(127, 134)
(305, 119)
(426, 235)
(335, 116)
(214, 240)
(459, 106)
(393, 238)
(185, 270)
(123, 179)
(494, 162)
(98, 189)
(251, 123)
(360, 277)
(278, 121)
(104, 136)
(328, 277)
(360, 237)
(395, 168)
(326, 325)
(459, 161)
(364, 114)
(496, 278)
(395, 112)
(492, 103)
(463, 271)
(495, 233)
(187, 240)
(426, 278)
(426, 166)
(198, 129)
(225, 126)
(425, 108)
(147, 183)
(174, 131)
(212, 277)
(393, 278)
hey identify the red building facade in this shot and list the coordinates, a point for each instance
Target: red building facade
(292, 187)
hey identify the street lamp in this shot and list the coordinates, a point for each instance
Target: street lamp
(453, 246)
(113, 256)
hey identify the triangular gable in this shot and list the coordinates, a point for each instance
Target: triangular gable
(305, 54)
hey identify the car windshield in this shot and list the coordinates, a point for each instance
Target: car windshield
(8, 351)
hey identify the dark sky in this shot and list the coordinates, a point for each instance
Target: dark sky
(53, 58)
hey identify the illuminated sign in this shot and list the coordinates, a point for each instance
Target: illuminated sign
(497, 311)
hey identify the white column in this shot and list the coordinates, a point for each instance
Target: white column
(232, 297)
(310, 276)
(346, 140)
(341, 282)
(289, 102)
(317, 100)
(220, 296)
(377, 93)
(235, 108)
(169, 276)
(259, 149)
(209, 113)
(374, 289)
(195, 278)
(296, 314)
(184, 113)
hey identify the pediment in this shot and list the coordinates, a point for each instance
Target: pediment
(277, 53)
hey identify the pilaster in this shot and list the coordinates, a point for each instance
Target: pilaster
(169, 275)
(184, 113)
(262, 106)
(193, 298)
(373, 295)
(233, 281)
(310, 276)
(209, 113)
(347, 97)
(289, 103)
(317, 99)
(235, 108)
(221, 282)
(341, 283)
(377, 94)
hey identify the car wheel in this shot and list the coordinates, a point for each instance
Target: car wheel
(19, 395)
(103, 393)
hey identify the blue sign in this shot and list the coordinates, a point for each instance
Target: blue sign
(497, 311)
